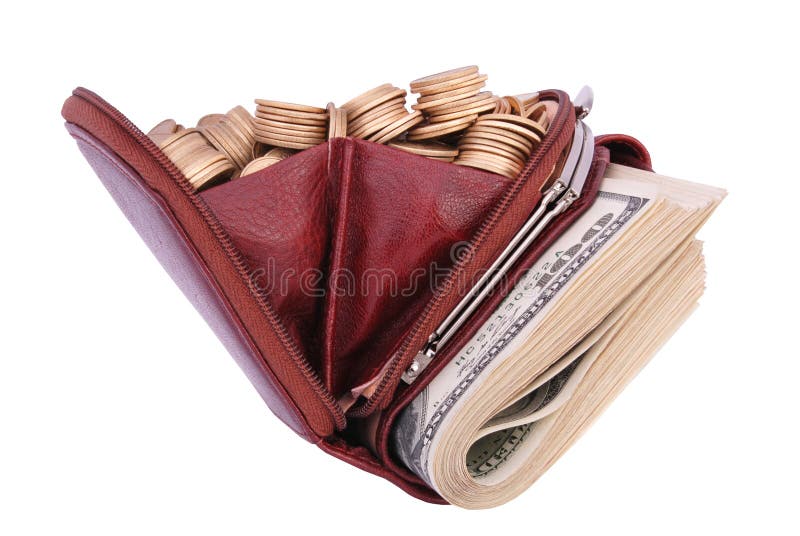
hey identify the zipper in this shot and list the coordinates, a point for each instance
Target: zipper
(557, 199)
(397, 365)
(231, 252)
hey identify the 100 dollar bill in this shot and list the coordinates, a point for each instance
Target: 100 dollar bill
(415, 433)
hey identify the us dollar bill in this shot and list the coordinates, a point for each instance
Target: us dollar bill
(416, 430)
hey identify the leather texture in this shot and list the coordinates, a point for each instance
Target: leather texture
(626, 150)
(345, 207)
(347, 239)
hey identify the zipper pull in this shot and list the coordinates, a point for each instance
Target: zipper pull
(584, 101)
(422, 359)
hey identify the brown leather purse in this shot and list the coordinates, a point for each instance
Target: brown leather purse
(347, 206)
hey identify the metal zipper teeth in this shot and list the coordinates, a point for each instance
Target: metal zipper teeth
(392, 373)
(233, 254)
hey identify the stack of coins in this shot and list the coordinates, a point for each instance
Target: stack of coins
(197, 159)
(291, 126)
(380, 114)
(231, 133)
(432, 150)
(451, 101)
(163, 130)
(337, 121)
(273, 156)
(453, 121)
(503, 142)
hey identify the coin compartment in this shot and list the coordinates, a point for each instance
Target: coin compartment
(346, 241)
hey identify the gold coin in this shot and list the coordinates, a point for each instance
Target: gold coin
(342, 123)
(537, 113)
(178, 136)
(512, 127)
(502, 142)
(291, 115)
(243, 120)
(515, 119)
(280, 152)
(289, 106)
(450, 96)
(397, 128)
(221, 143)
(374, 126)
(460, 104)
(239, 112)
(318, 121)
(487, 165)
(472, 155)
(481, 153)
(287, 143)
(162, 131)
(258, 164)
(476, 108)
(482, 128)
(503, 107)
(242, 141)
(451, 84)
(436, 130)
(183, 155)
(367, 96)
(337, 122)
(443, 77)
(359, 126)
(519, 143)
(311, 129)
(259, 150)
(210, 119)
(529, 98)
(473, 87)
(180, 148)
(378, 111)
(438, 105)
(227, 138)
(201, 165)
(392, 94)
(429, 149)
(517, 106)
(210, 175)
(289, 135)
(493, 149)
(331, 109)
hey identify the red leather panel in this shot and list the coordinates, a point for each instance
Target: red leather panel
(279, 218)
(626, 150)
(370, 223)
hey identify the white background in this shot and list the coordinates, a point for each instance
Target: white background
(120, 413)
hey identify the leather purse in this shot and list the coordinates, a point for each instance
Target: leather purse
(346, 208)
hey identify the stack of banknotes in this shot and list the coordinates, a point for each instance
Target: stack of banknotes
(536, 375)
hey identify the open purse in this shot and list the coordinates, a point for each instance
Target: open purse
(287, 264)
